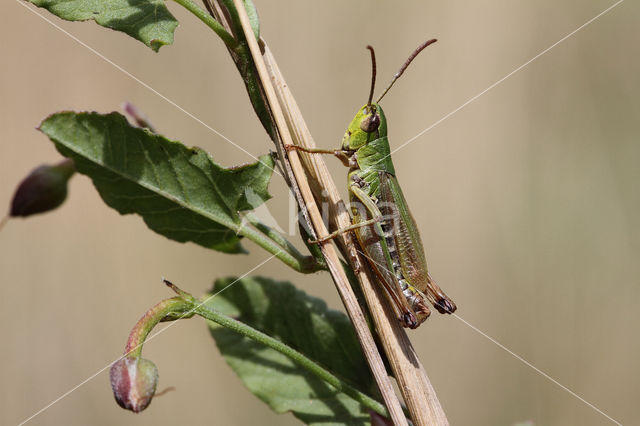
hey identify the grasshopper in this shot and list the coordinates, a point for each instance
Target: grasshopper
(384, 227)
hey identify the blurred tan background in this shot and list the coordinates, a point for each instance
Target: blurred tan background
(527, 201)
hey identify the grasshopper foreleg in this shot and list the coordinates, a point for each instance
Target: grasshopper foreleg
(340, 154)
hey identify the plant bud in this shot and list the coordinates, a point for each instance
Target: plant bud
(44, 189)
(138, 116)
(134, 382)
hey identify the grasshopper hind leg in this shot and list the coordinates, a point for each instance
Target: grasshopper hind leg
(445, 306)
(409, 320)
(440, 301)
(417, 303)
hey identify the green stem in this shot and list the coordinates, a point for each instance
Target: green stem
(297, 357)
(204, 16)
(274, 235)
(168, 309)
(292, 258)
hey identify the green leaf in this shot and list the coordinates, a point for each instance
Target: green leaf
(146, 20)
(304, 323)
(179, 191)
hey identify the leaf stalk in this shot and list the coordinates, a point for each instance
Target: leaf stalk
(205, 17)
(239, 327)
(276, 244)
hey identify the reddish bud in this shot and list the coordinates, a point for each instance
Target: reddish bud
(138, 116)
(44, 189)
(134, 382)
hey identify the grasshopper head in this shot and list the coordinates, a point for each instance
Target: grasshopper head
(369, 124)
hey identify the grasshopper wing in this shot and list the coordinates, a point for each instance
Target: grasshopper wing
(380, 257)
(409, 243)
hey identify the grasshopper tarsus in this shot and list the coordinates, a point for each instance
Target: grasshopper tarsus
(316, 242)
(442, 303)
(409, 320)
(445, 306)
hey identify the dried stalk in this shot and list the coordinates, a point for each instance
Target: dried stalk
(414, 384)
(328, 250)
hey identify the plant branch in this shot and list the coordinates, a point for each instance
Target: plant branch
(308, 262)
(277, 237)
(168, 309)
(209, 21)
(328, 250)
(185, 306)
(286, 253)
(295, 356)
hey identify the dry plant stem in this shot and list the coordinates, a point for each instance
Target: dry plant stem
(328, 250)
(413, 382)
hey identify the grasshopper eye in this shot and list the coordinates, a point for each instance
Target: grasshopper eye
(371, 123)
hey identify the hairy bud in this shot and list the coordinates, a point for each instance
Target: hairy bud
(134, 382)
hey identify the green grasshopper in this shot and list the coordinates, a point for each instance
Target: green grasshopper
(382, 223)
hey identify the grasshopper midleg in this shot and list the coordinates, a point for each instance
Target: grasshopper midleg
(340, 231)
(384, 227)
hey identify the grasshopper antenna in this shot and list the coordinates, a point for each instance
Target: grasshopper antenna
(405, 65)
(373, 74)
